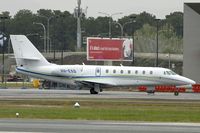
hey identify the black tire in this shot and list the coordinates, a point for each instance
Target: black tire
(176, 93)
(92, 91)
(150, 91)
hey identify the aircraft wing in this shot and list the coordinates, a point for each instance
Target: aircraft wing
(91, 82)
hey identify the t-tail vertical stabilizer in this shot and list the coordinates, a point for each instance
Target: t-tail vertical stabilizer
(26, 54)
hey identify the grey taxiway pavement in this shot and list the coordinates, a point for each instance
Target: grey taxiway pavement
(35, 93)
(80, 126)
(66, 126)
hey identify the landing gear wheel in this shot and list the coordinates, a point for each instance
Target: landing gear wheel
(92, 91)
(176, 93)
(150, 91)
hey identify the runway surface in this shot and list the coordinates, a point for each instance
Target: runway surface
(53, 94)
(63, 126)
(84, 126)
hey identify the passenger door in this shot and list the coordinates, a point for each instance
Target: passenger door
(98, 71)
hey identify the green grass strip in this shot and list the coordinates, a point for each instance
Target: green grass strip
(123, 110)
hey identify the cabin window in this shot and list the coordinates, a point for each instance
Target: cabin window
(114, 71)
(129, 71)
(136, 71)
(151, 72)
(143, 72)
(164, 73)
(121, 71)
(107, 70)
(98, 71)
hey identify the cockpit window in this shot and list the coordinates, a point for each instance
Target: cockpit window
(173, 73)
(169, 73)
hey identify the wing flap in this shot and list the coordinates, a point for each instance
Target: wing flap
(89, 82)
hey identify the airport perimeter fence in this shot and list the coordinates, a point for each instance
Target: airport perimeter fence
(20, 81)
(14, 81)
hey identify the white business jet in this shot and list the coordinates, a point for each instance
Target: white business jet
(32, 63)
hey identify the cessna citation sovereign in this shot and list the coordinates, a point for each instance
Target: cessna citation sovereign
(32, 63)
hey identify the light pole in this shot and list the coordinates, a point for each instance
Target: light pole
(133, 30)
(110, 19)
(169, 60)
(157, 28)
(128, 23)
(44, 34)
(121, 27)
(50, 43)
(54, 46)
(78, 14)
(3, 18)
(48, 22)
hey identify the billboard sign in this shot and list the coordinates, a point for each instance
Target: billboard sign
(109, 49)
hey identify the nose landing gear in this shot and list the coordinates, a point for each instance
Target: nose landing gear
(176, 93)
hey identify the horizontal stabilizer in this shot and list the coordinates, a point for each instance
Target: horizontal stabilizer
(29, 58)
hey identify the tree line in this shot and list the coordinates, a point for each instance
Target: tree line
(62, 26)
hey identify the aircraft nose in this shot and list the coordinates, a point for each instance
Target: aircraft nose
(189, 81)
(192, 82)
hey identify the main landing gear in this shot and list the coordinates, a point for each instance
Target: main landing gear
(95, 89)
(92, 91)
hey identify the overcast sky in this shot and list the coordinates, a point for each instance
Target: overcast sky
(160, 8)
